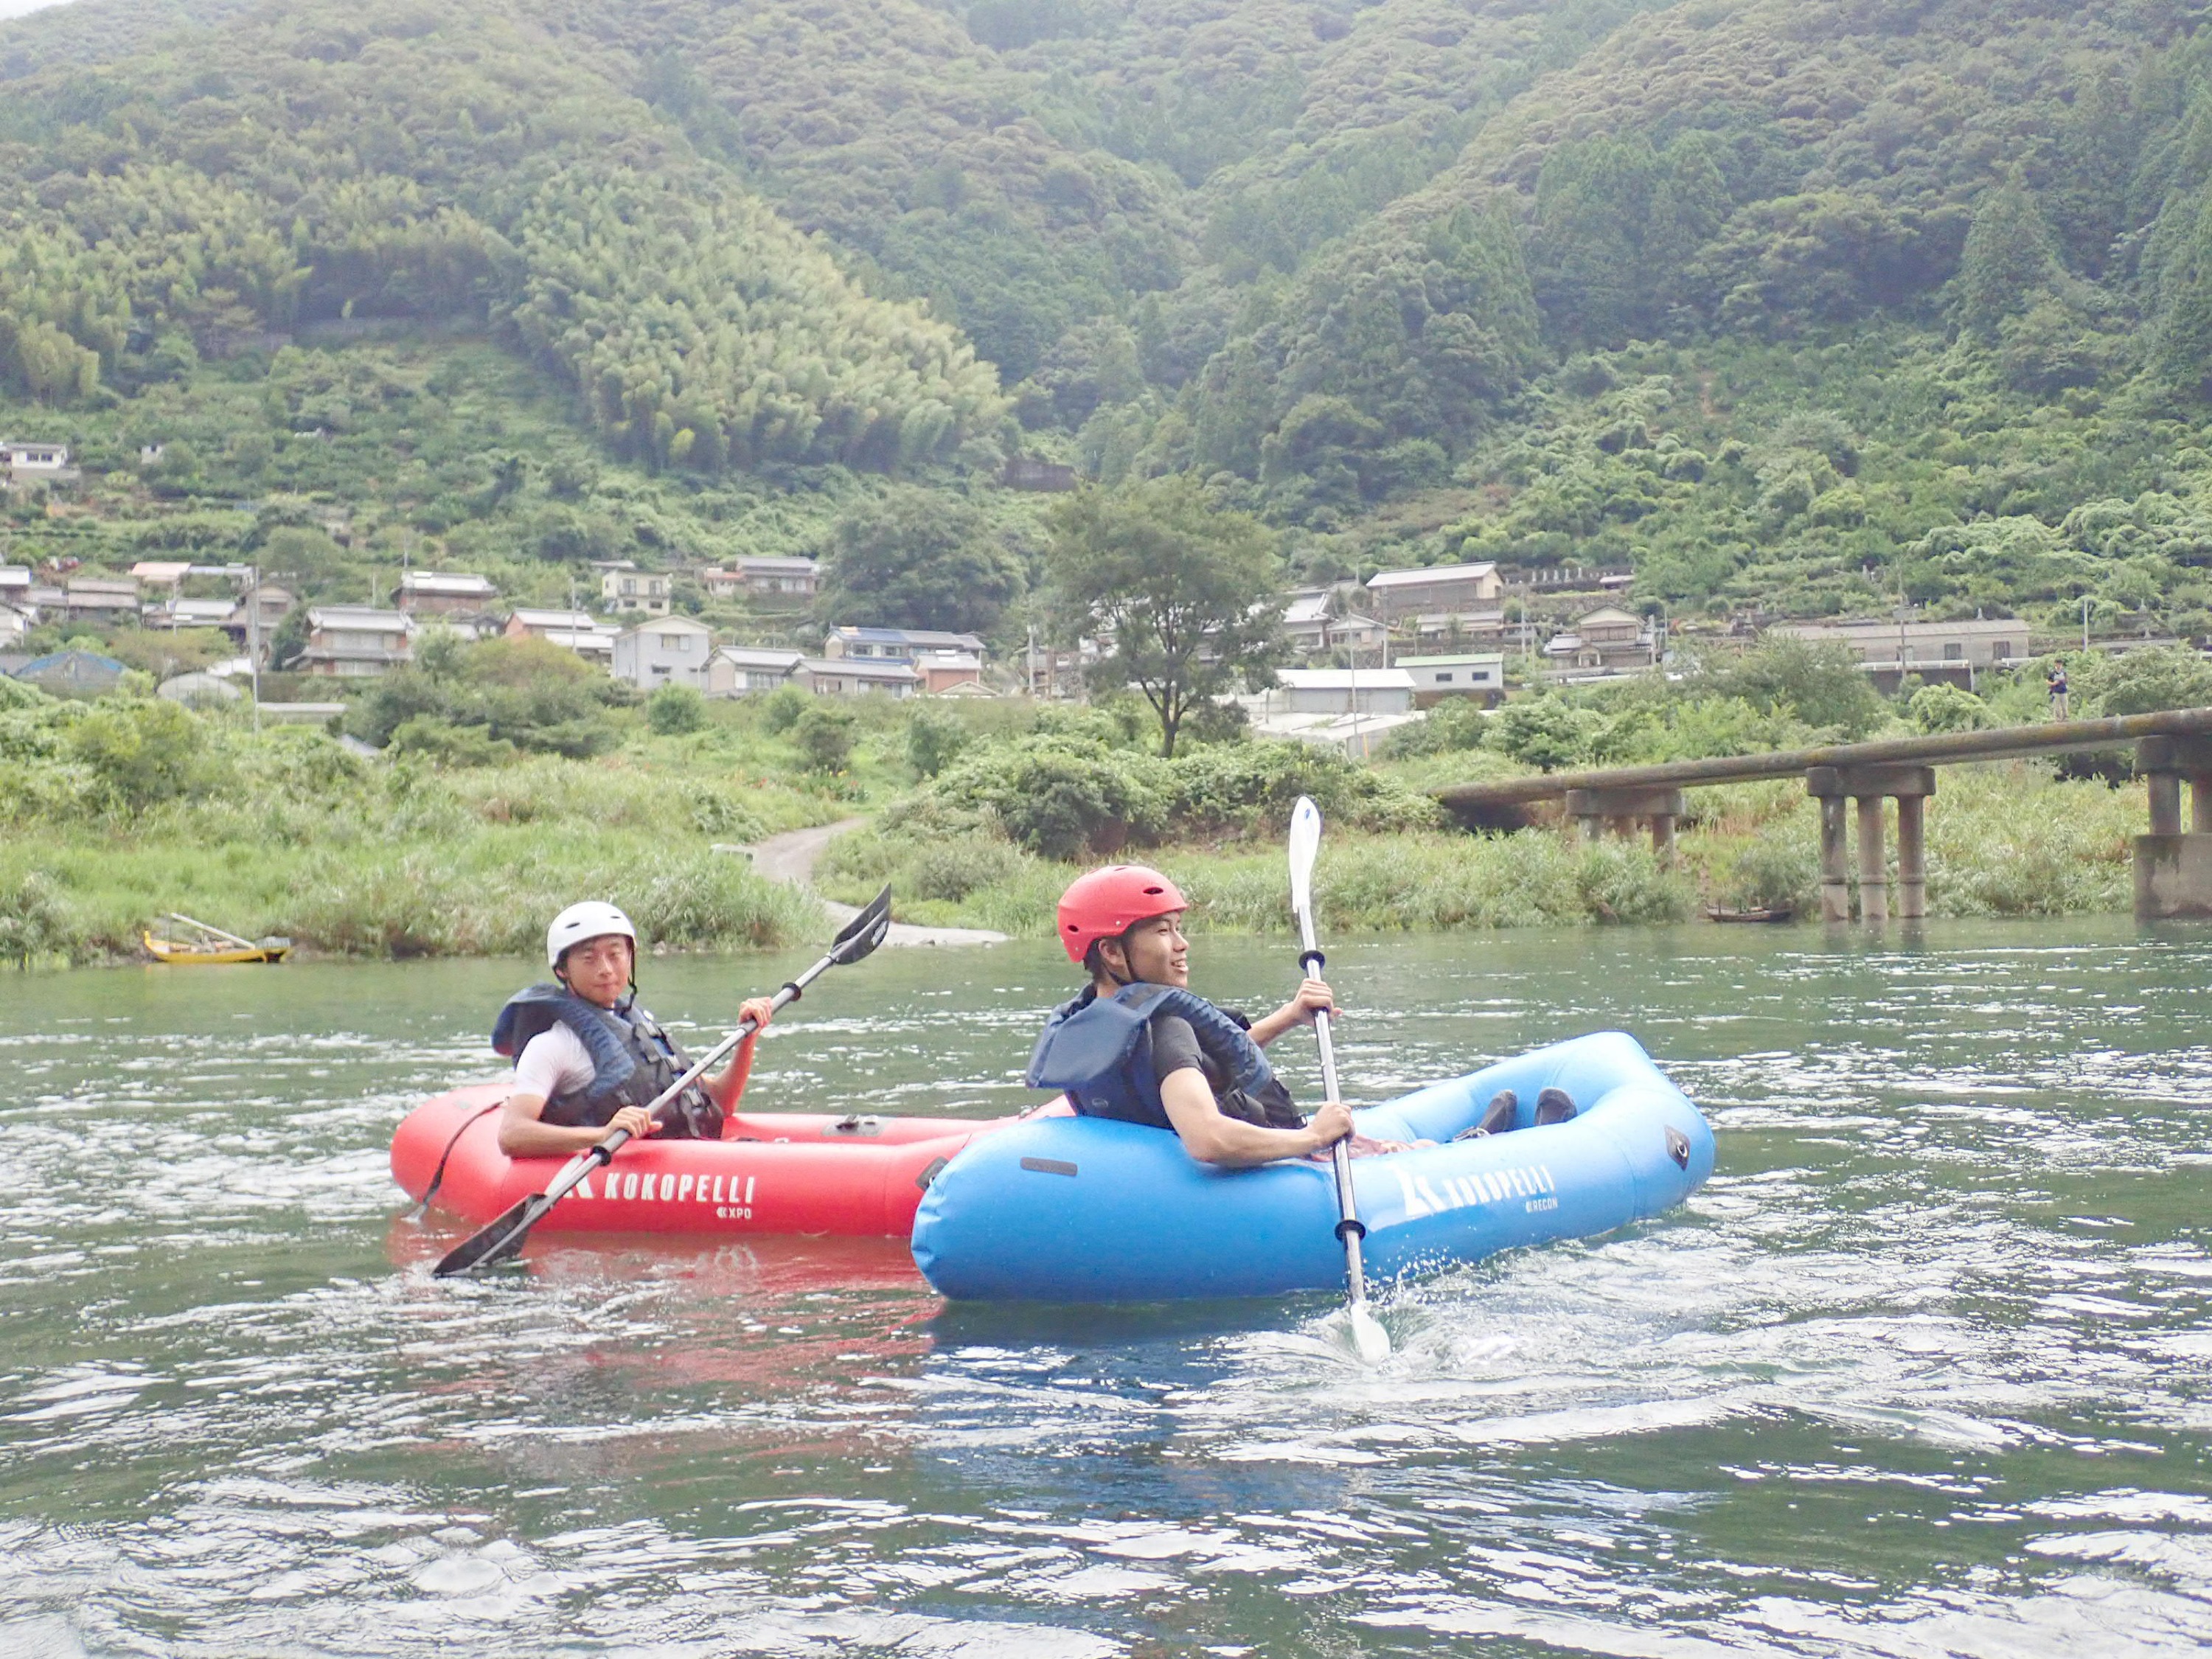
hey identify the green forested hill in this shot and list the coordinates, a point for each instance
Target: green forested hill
(1787, 302)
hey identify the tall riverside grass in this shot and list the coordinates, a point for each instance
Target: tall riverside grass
(290, 833)
(2003, 840)
(1423, 880)
(485, 890)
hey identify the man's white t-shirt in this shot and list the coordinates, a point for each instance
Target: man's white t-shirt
(553, 1062)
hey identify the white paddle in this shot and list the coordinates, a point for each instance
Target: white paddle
(1368, 1335)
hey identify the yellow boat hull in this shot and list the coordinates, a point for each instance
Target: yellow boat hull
(164, 950)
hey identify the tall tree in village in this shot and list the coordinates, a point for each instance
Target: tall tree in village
(1187, 599)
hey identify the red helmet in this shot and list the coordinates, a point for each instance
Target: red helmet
(1107, 903)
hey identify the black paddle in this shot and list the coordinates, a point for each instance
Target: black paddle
(503, 1237)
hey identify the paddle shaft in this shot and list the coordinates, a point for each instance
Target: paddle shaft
(1349, 1227)
(598, 1157)
(532, 1209)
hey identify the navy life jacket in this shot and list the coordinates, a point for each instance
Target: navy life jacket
(1098, 1051)
(633, 1062)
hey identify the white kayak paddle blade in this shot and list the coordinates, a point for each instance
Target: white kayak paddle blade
(1305, 847)
(1371, 1342)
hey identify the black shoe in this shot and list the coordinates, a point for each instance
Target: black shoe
(1497, 1120)
(1554, 1106)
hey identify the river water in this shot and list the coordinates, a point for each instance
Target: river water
(1924, 1371)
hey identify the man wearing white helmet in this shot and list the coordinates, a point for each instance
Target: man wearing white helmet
(587, 1059)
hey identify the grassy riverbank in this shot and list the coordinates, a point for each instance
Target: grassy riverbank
(287, 832)
(2001, 840)
(494, 803)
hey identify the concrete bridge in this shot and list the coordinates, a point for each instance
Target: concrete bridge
(2173, 868)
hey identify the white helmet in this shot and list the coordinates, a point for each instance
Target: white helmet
(592, 919)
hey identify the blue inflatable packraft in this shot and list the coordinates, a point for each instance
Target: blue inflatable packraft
(1074, 1209)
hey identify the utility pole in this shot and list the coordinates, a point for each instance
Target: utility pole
(254, 636)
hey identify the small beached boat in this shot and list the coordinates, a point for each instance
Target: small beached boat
(1761, 913)
(1070, 1209)
(205, 945)
(772, 1172)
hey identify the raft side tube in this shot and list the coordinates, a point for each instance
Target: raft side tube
(810, 1173)
(1087, 1209)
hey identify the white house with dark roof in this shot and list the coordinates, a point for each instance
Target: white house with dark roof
(665, 651)
(895, 644)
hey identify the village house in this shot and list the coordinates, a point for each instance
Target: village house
(1474, 593)
(107, 600)
(14, 625)
(738, 671)
(441, 592)
(1463, 674)
(631, 592)
(854, 677)
(667, 651)
(572, 630)
(895, 644)
(1340, 691)
(260, 609)
(29, 463)
(15, 585)
(356, 642)
(1312, 631)
(765, 579)
(1889, 649)
(161, 573)
(949, 672)
(194, 613)
(1607, 640)
(1350, 709)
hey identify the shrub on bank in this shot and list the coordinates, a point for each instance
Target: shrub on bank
(1063, 796)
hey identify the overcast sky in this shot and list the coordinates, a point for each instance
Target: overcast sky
(17, 7)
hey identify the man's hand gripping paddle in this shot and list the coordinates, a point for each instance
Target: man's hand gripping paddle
(503, 1237)
(1368, 1335)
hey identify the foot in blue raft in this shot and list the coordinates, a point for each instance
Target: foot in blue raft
(1104, 1207)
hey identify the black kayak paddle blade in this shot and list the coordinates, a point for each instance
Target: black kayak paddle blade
(494, 1243)
(860, 936)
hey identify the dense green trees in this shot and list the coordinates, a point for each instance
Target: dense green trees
(401, 163)
(1408, 279)
(914, 559)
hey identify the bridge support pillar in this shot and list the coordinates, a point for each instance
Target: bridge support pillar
(2173, 869)
(1912, 858)
(1835, 861)
(1597, 810)
(1873, 862)
(1868, 786)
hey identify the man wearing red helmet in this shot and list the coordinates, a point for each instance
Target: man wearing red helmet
(1138, 1045)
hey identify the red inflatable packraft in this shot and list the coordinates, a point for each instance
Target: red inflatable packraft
(770, 1173)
